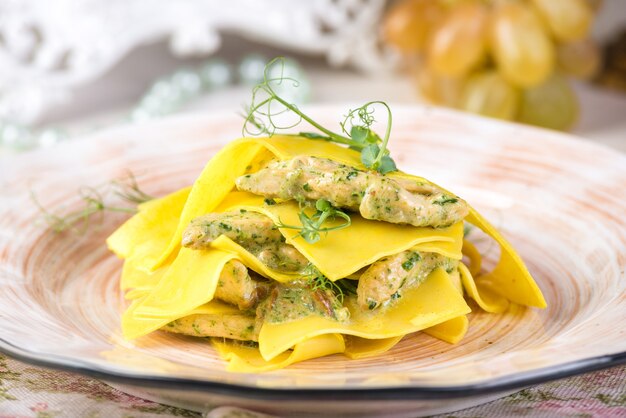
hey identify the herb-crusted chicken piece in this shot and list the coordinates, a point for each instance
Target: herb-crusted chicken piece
(253, 231)
(237, 287)
(372, 194)
(282, 257)
(298, 299)
(384, 280)
(234, 326)
(248, 229)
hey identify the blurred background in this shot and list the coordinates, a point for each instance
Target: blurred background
(68, 67)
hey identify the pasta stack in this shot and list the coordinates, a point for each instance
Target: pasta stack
(180, 271)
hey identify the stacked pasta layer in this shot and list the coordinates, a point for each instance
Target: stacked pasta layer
(217, 260)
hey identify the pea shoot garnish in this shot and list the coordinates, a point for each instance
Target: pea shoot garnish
(94, 204)
(267, 106)
(317, 281)
(313, 226)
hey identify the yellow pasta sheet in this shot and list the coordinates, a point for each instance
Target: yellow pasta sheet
(144, 236)
(249, 360)
(246, 359)
(451, 331)
(358, 348)
(510, 278)
(434, 301)
(344, 251)
(189, 282)
(475, 259)
(135, 281)
(482, 293)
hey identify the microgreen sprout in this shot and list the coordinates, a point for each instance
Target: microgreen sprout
(312, 226)
(128, 189)
(94, 204)
(266, 107)
(317, 281)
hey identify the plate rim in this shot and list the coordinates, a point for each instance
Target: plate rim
(510, 382)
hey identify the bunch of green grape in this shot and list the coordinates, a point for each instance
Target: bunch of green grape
(508, 59)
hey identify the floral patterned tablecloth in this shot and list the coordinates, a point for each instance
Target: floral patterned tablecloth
(28, 391)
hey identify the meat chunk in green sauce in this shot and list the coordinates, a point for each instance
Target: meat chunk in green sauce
(233, 326)
(294, 300)
(237, 286)
(253, 231)
(248, 229)
(385, 279)
(374, 195)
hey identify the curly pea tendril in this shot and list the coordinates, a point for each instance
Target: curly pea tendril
(263, 117)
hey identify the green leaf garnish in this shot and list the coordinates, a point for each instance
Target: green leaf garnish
(387, 165)
(369, 153)
(312, 226)
(266, 107)
(359, 133)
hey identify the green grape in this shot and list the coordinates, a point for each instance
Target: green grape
(553, 104)
(409, 24)
(579, 59)
(568, 20)
(488, 93)
(459, 43)
(521, 47)
(439, 90)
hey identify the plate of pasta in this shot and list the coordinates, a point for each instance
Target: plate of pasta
(447, 262)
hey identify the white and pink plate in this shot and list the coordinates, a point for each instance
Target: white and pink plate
(559, 199)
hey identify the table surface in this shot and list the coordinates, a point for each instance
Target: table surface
(28, 391)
